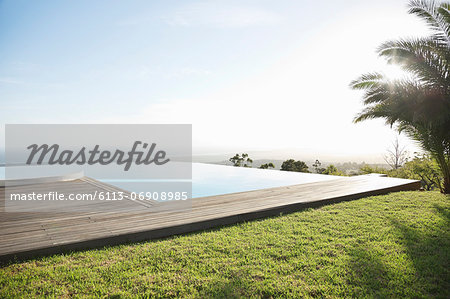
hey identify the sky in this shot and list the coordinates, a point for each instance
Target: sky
(248, 75)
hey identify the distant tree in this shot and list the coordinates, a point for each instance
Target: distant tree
(396, 155)
(332, 170)
(292, 165)
(267, 166)
(241, 160)
(427, 169)
(317, 167)
(423, 168)
(366, 169)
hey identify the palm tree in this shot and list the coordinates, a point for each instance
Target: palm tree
(418, 105)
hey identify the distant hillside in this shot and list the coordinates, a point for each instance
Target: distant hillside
(346, 167)
(256, 163)
(306, 155)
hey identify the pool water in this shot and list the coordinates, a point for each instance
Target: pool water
(211, 179)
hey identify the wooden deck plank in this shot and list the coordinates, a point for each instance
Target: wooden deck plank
(34, 233)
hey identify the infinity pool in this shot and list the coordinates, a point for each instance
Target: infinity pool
(211, 179)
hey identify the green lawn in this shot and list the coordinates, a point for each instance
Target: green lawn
(397, 245)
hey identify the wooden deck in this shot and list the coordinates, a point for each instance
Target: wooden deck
(28, 234)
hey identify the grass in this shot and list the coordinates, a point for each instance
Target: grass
(395, 245)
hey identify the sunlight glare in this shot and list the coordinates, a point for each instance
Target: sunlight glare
(394, 72)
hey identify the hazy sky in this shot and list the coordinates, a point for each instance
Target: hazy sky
(249, 75)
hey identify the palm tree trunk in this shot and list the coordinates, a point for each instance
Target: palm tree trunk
(446, 173)
(446, 185)
(444, 165)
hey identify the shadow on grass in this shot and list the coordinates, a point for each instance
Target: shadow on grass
(427, 266)
(224, 289)
(369, 275)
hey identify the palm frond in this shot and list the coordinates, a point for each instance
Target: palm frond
(429, 11)
(366, 81)
(424, 58)
(444, 11)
